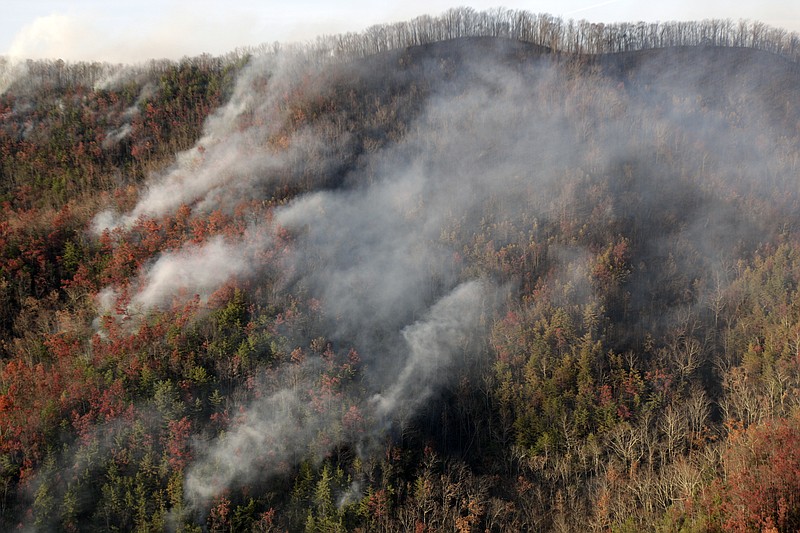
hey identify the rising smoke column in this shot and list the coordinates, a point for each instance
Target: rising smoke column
(278, 428)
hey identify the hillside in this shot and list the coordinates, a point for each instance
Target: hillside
(484, 272)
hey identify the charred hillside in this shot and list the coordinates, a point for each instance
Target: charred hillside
(486, 271)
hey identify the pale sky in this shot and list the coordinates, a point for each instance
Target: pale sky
(117, 31)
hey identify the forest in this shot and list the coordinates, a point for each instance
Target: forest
(480, 272)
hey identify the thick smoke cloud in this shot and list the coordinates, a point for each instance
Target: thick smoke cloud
(535, 147)
(375, 258)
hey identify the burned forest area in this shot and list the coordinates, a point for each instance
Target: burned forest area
(486, 271)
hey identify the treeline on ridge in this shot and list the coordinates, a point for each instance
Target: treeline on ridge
(570, 36)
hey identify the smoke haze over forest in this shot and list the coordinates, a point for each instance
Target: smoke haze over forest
(487, 271)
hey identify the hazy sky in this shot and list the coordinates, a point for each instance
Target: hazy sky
(130, 31)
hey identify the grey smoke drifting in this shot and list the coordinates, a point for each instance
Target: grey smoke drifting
(277, 430)
(200, 268)
(193, 270)
(10, 71)
(433, 345)
(378, 259)
(498, 159)
(236, 152)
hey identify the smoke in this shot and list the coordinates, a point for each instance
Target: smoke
(242, 148)
(233, 158)
(200, 268)
(11, 70)
(280, 429)
(374, 256)
(121, 132)
(275, 428)
(116, 135)
(193, 270)
(402, 253)
(432, 347)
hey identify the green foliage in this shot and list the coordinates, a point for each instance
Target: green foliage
(72, 257)
(167, 400)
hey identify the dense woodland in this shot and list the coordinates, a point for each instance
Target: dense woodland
(488, 271)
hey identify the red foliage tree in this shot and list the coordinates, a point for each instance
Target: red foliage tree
(760, 490)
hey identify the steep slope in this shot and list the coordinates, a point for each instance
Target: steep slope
(470, 284)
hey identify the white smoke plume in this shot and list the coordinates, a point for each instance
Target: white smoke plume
(10, 71)
(197, 269)
(433, 345)
(123, 131)
(275, 427)
(236, 152)
(277, 430)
